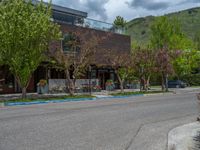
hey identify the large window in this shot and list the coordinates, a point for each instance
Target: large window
(68, 19)
(70, 43)
(63, 18)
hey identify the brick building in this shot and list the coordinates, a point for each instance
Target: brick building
(72, 20)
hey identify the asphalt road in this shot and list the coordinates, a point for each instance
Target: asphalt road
(136, 123)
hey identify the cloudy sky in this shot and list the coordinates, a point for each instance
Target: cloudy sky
(107, 10)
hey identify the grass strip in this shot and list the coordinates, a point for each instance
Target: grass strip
(46, 99)
(137, 93)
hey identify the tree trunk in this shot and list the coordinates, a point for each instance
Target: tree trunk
(69, 84)
(122, 86)
(145, 84)
(72, 89)
(166, 83)
(23, 92)
(163, 82)
(121, 81)
(141, 84)
(148, 82)
(23, 87)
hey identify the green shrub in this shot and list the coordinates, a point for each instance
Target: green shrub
(192, 79)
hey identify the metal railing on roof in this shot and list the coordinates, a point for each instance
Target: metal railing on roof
(86, 22)
(99, 25)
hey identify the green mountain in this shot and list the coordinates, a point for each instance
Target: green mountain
(139, 29)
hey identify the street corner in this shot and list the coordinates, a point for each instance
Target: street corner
(181, 137)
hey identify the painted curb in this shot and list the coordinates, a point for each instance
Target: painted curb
(46, 102)
(73, 100)
(65, 100)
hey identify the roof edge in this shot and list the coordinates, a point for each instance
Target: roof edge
(65, 9)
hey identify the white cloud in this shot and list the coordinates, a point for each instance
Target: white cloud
(107, 10)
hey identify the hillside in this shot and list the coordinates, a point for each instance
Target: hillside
(139, 29)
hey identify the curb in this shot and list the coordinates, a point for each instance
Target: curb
(74, 100)
(64, 100)
(153, 94)
(46, 102)
(181, 137)
(126, 96)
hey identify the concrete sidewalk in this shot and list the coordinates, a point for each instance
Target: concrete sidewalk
(103, 93)
(181, 138)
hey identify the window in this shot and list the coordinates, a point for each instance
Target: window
(70, 43)
(69, 19)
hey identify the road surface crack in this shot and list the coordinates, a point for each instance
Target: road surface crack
(143, 125)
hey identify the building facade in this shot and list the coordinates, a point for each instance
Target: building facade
(70, 21)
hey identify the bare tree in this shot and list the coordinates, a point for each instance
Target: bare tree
(76, 61)
(164, 66)
(118, 60)
(143, 61)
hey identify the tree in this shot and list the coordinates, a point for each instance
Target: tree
(167, 38)
(25, 32)
(143, 61)
(119, 22)
(197, 44)
(166, 33)
(197, 40)
(80, 55)
(164, 66)
(120, 62)
(187, 62)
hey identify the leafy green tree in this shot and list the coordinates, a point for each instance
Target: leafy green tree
(197, 40)
(167, 38)
(127, 73)
(166, 33)
(25, 32)
(187, 62)
(119, 22)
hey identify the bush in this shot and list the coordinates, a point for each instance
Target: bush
(192, 79)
